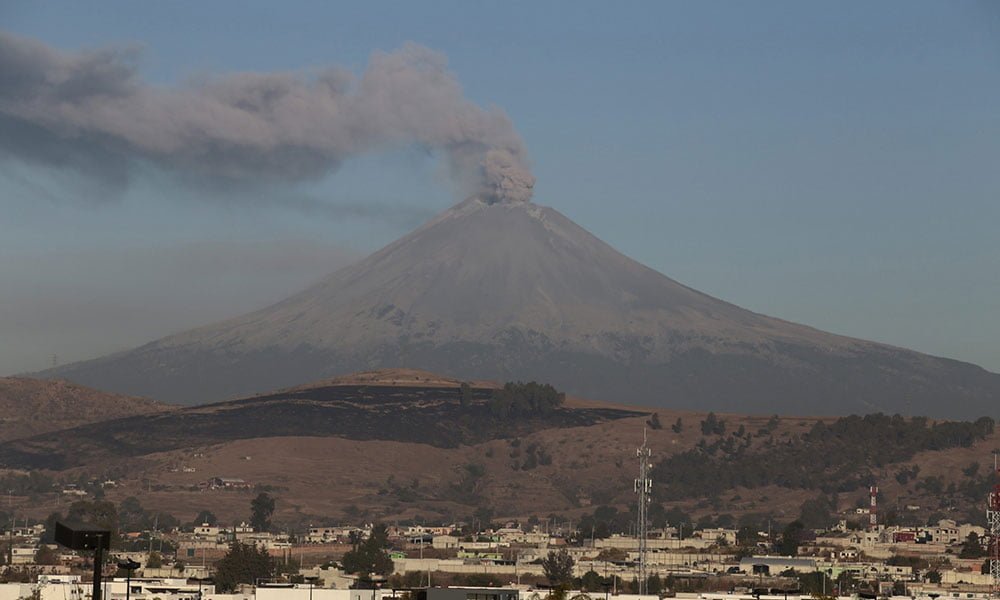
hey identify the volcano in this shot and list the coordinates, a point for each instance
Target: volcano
(518, 291)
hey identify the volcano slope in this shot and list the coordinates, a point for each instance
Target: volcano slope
(518, 291)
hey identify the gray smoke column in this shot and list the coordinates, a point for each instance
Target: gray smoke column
(90, 111)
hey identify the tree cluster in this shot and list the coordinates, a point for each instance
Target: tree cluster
(713, 425)
(835, 457)
(972, 547)
(244, 563)
(261, 510)
(525, 399)
(558, 568)
(369, 556)
(791, 538)
(27, 484)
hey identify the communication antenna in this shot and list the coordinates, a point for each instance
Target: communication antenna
(993, 522)
(873, 508)
(643, 487)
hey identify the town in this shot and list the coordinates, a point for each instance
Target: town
(483, 560)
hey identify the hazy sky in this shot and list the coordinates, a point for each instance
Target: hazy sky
(834, 164)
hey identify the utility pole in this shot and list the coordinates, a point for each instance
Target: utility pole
(643, 487)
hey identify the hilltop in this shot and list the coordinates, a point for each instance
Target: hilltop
(35, 406)
(404, 406)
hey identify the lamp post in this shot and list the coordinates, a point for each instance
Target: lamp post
(130, 565)
(312, 579)
(86, 538)
(201, 579)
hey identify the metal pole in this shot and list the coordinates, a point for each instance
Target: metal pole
(993, 522)
(643, 486)
(98, 558)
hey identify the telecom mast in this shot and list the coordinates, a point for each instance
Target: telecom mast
(873, 508)
(643, 487)
(993, 522)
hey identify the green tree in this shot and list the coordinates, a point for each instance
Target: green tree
(261, 509)
(244, 563)
(972, 547)
(49, 537)
(612, 555)
(654, 585)
(483, 516)
(154, 560)
(713, 425)
(678, 426)
(558, 567)
(525, 399)
(46, 555)
(971, 470)
(131, 515)
(288, 566)
(369, 555)
(791, 538)
(654, 421)
(815, 513)
(205, 516)
(815, 583)
(591, 582)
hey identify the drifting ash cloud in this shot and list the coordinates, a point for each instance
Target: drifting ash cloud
(91, 112)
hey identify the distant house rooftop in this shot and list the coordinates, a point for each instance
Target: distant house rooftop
(775, 563)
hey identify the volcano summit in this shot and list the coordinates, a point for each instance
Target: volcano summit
(514, 290)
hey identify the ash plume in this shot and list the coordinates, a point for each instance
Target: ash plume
(91, 112)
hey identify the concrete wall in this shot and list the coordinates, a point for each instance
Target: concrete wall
(402, 565)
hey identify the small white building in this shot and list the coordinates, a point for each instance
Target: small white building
(23, 555)
(444, 542)
(207, 531)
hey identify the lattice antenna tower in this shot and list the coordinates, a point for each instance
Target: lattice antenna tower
(643, 487)
(993, 522)
(873, 508)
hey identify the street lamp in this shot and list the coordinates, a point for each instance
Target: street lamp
(128, 565)
(312, 581)
(201, 580)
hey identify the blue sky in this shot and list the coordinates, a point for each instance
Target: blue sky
(828, 163)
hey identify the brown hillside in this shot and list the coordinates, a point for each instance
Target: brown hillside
(396, 444)
(30, 407)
